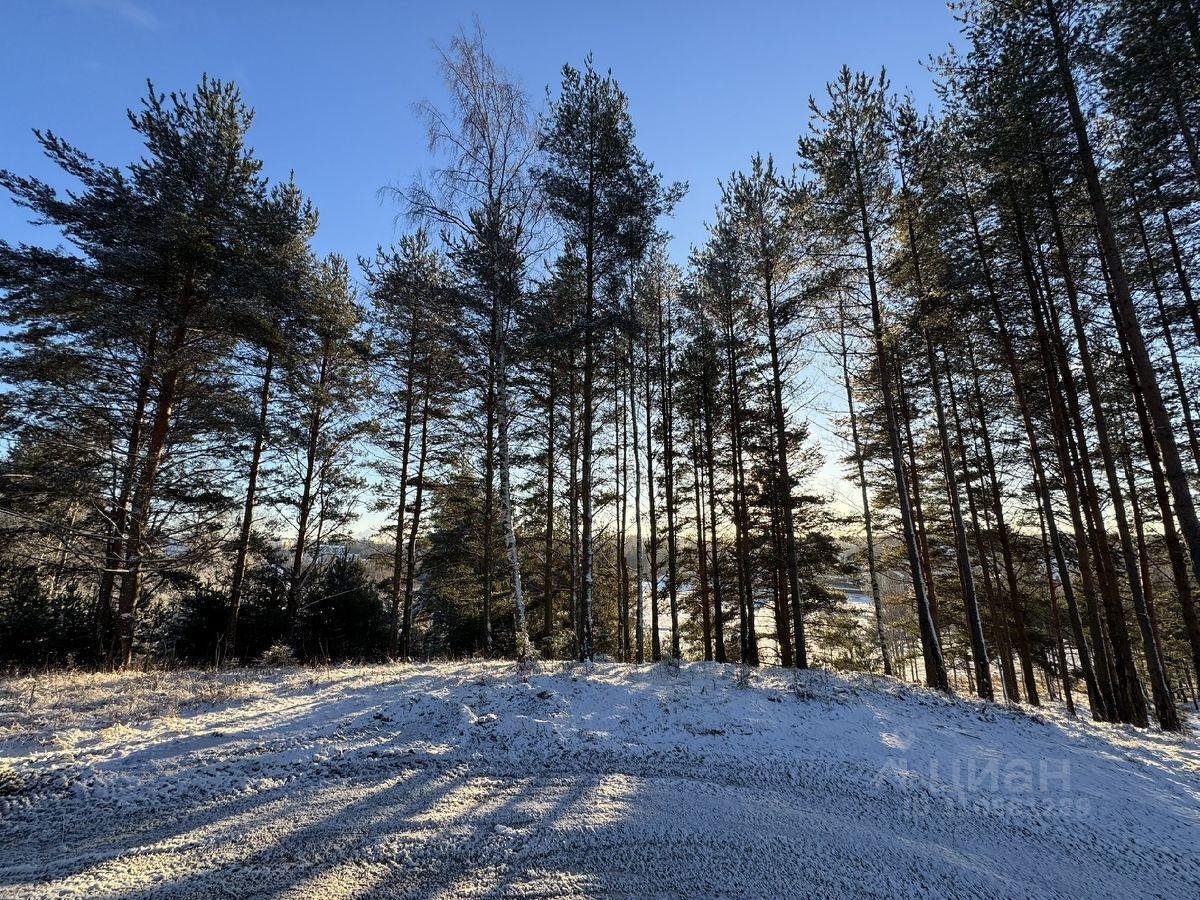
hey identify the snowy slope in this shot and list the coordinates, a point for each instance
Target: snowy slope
(458, 780)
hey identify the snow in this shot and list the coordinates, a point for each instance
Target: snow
(475, 780)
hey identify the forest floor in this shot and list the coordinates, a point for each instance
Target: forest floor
(472, 780)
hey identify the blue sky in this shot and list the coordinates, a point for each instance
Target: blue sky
(710, 83)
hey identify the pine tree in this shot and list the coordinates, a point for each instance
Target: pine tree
(170, 274)
(605, 198)
(321, 424)
(848, 154)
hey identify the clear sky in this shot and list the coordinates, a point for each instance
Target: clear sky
(333, 83)
(710, 83)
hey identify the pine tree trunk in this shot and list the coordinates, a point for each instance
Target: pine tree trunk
(710, 465)
(1125, 314)
(983, 672)
(935, 666)
(784, 486)
(860, 465)
(1066, 416)
(621, 475)
(144, 491)
(1096, 677)
(1056, 619)
(229, 647)
(489, 479)
(741, 526)
(1015, 606)
(701, 548)
(1180, 575)
(639, 616)
(405, 450)
(1164, 326)
(548, 549)
(1008, 678)
(655, 637)
(410, 566)
(779, 594)
(667, 376)
(1164, 701)
(292, 608)
(573, 504)
(1181, 275)
(905, 413)
(1164, 705)
(1071, 441)
(588, 457)
(115, 550)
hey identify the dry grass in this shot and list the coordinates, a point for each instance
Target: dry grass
(68, 704)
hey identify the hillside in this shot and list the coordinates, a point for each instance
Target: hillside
(455, 780)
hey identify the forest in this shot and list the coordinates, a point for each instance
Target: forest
(519, 429)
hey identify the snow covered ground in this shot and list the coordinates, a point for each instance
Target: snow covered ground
(457, 780)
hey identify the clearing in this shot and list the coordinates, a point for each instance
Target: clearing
(472, 780)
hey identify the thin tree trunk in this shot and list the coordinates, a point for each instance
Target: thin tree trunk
(1015, 605)
(639, 617)
(1094, 676)
(1164, 326)
(655, 637)
(524, 647)
(306, 497)
(410, 567)
(779, 594)
(1147, 617)
(1066, 420)
(667, 376)
(999, 628)
(115, 550)
(489, 477)
(621, 474)
(983, 673)
(741, 525)
(1056, 620)
(1179, 569)
(1160, 688)
(405, 450)
(229, 647)
(905, 406)
(548, 549)
(1164, 705)
(588, 421)
(905, 412)
(718, 614)
(784, 487)
(935, 666)
(573, 504)
(701, 548)
(860, 465)
(1185, 285)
